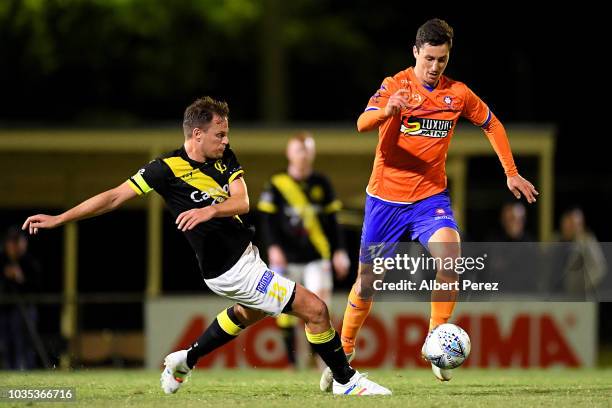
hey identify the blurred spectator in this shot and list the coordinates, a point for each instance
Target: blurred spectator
(20, 274)
(299, 228)
(584, 265)
(513, 217)
(511, 260)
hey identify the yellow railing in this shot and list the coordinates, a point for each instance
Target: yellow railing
(58, 168)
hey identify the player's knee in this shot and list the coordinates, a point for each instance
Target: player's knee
(447, 276)
(318, 311)
(364, 289)
(364, 285)
(445, 244)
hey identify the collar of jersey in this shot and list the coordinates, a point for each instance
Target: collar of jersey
(195, 164)
(429, 90)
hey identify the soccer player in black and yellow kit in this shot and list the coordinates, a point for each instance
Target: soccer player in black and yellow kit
(299, 228)
(203, 186)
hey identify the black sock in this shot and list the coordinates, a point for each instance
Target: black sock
(329, 347)
(222, 330)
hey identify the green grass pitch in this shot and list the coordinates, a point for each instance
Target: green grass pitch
(267, 388)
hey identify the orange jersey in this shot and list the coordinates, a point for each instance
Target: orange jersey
(411, 153)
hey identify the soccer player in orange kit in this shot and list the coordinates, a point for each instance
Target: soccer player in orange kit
(416, 112)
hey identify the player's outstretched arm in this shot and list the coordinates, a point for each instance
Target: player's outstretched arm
(96, 205)
(499, 140)
(236, 204)
(518, 185)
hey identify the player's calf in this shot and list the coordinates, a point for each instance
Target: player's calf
(326, 341)
(225, 328)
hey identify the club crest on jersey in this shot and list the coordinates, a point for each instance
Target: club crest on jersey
(437, 128)
(416, 99)
(317, 193)
(221, 168)
(448, 100)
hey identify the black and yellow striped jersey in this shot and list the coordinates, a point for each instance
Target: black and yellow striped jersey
(299, 216)
(186, 184)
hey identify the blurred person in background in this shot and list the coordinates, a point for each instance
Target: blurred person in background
(299, 229)
(513, 217)
(20, 274)
(584, 266)
(511, 261)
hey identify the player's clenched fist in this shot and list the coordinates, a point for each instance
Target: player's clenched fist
(397, 102)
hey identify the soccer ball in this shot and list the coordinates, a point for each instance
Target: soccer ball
(447, 346)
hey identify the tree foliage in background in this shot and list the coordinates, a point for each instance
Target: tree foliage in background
(96, 59)
(118, 62)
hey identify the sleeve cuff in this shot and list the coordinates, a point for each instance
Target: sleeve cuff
(512, 173)
(235, 175)
(134, 187)
(138, 184)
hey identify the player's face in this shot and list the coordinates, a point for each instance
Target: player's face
(513, 219)
(300, 154)
(213, 140)
(16, 248)
(431, 61)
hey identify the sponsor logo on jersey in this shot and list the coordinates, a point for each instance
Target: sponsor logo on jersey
(264, 281)
(426, 127)
(215, 193)
(440, 214)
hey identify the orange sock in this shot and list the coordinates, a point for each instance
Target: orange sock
(440, 313)
(442, 305)
(356, 312)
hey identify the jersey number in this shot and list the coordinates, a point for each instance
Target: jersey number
(278, 292)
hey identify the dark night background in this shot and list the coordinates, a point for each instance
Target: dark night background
(67, 64)
(138, 63)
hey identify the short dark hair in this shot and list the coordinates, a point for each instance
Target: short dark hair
(574, 208)
(434, 32)
(200, 113)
